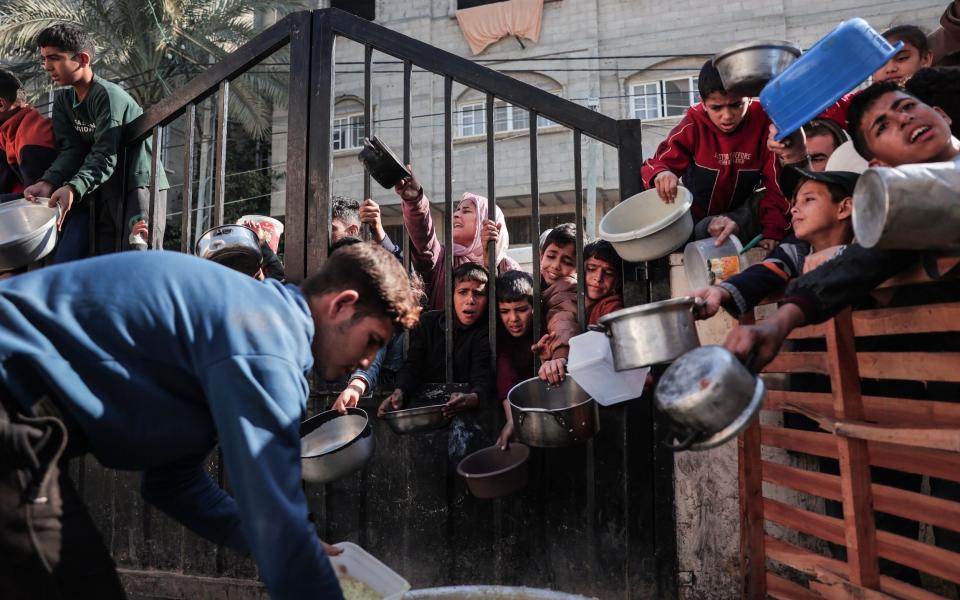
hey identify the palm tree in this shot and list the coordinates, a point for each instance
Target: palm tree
(154, 46)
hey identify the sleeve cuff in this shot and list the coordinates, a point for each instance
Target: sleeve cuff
(79, 187)
(388, 244)
(739, 304)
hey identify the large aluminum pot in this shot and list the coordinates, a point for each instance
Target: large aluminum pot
(551, 416)
(910, 207)
(234, 246)
(650, 334)
(333, 445)
(28, 232)
(710, 397)
(746, 68)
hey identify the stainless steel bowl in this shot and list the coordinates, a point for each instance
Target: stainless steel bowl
(551, 416)
(746, 68)
(710, 397)
(333, 445)
(234, 246)
(417, 420)
(650, 334)
(28, 232)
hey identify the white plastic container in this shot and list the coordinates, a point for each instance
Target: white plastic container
(707, 264)
(644, 227)
(360, 564)
(591, 365)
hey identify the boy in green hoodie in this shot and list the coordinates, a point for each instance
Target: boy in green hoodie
(89, 120)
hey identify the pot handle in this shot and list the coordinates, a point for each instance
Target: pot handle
(698, 304)
(520, 416)
(683, 444)
(562, 422)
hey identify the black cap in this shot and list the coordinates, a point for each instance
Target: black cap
(792, 177)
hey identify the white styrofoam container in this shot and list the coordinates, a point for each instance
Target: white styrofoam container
(591, 365)
(360, 564)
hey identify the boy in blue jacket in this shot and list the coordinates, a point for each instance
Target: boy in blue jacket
(154, 382)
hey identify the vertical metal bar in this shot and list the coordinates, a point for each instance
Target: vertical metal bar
(407, 124)
(298, 146)
(367, 108)
(320, 165)
(186, 202)
(492, 313)
(578, 200)
(448, 217)
(155, 235)
(220, 151)
(535, 231)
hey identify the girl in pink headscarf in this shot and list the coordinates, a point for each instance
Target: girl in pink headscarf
(471, 231)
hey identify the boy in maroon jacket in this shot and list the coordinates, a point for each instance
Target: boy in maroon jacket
(720, 150)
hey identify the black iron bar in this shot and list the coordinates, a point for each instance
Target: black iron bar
(367, 109)
(448, 217)
(320, 157)
(492, 313)
(155, 235)
(407, 124)
(535, 231)
(220, 153)
(186, 194)
(298, 146)
(578, 201)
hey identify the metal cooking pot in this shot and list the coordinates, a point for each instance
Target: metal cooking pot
(334, 445)
(551, 416)
(382, 164)
(28, 232)
(746, 68)
(649, 334)
(710, 397)
(492, 472)
(911, 207)
(234, 246)
(417, 420)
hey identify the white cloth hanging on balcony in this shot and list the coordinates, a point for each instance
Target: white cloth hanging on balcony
(484, 25)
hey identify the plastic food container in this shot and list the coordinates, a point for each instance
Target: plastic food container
(590, 364)
(359, 564)
(707, 264)
(832, 67)
(644, 227)
(272, 228)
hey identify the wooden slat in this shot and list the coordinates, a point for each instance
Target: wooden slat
(912, 366)
(926, 318)
(895, 501)
(809, 562)
(799, 362)
(923, 557)
(811, 523)
(935, 463)
(946, 265)
(752, 563)
(778, 587)
(877, 409)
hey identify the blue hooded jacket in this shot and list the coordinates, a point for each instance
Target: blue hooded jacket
(159, 356)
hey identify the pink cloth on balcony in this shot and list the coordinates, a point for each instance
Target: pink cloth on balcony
(484, 25)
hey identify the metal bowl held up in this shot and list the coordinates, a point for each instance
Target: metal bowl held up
(551, 416)
(650, 334)
(417, 420)
(710, 397)
(492, 472)
(333, 445)
(381, 163)
(746, 68)
(234, 246)
(28, 232)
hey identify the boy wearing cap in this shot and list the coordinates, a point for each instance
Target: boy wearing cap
(820, 214)
(719, 148)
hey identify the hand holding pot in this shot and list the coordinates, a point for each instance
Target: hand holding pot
(553, 371)
(713, 297)
(409, 189)
(393, 402)
(350, 396)
(506, 434)
(666, 183)
(764, 339)
(460, 402)
(791, 150)
(720, 228)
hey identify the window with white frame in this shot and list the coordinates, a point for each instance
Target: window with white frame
(506, 117)
(664, 98)
(347, 132)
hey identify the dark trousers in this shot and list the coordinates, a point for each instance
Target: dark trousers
(50, 547)
(77, 229)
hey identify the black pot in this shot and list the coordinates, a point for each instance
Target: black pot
(381, 163)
